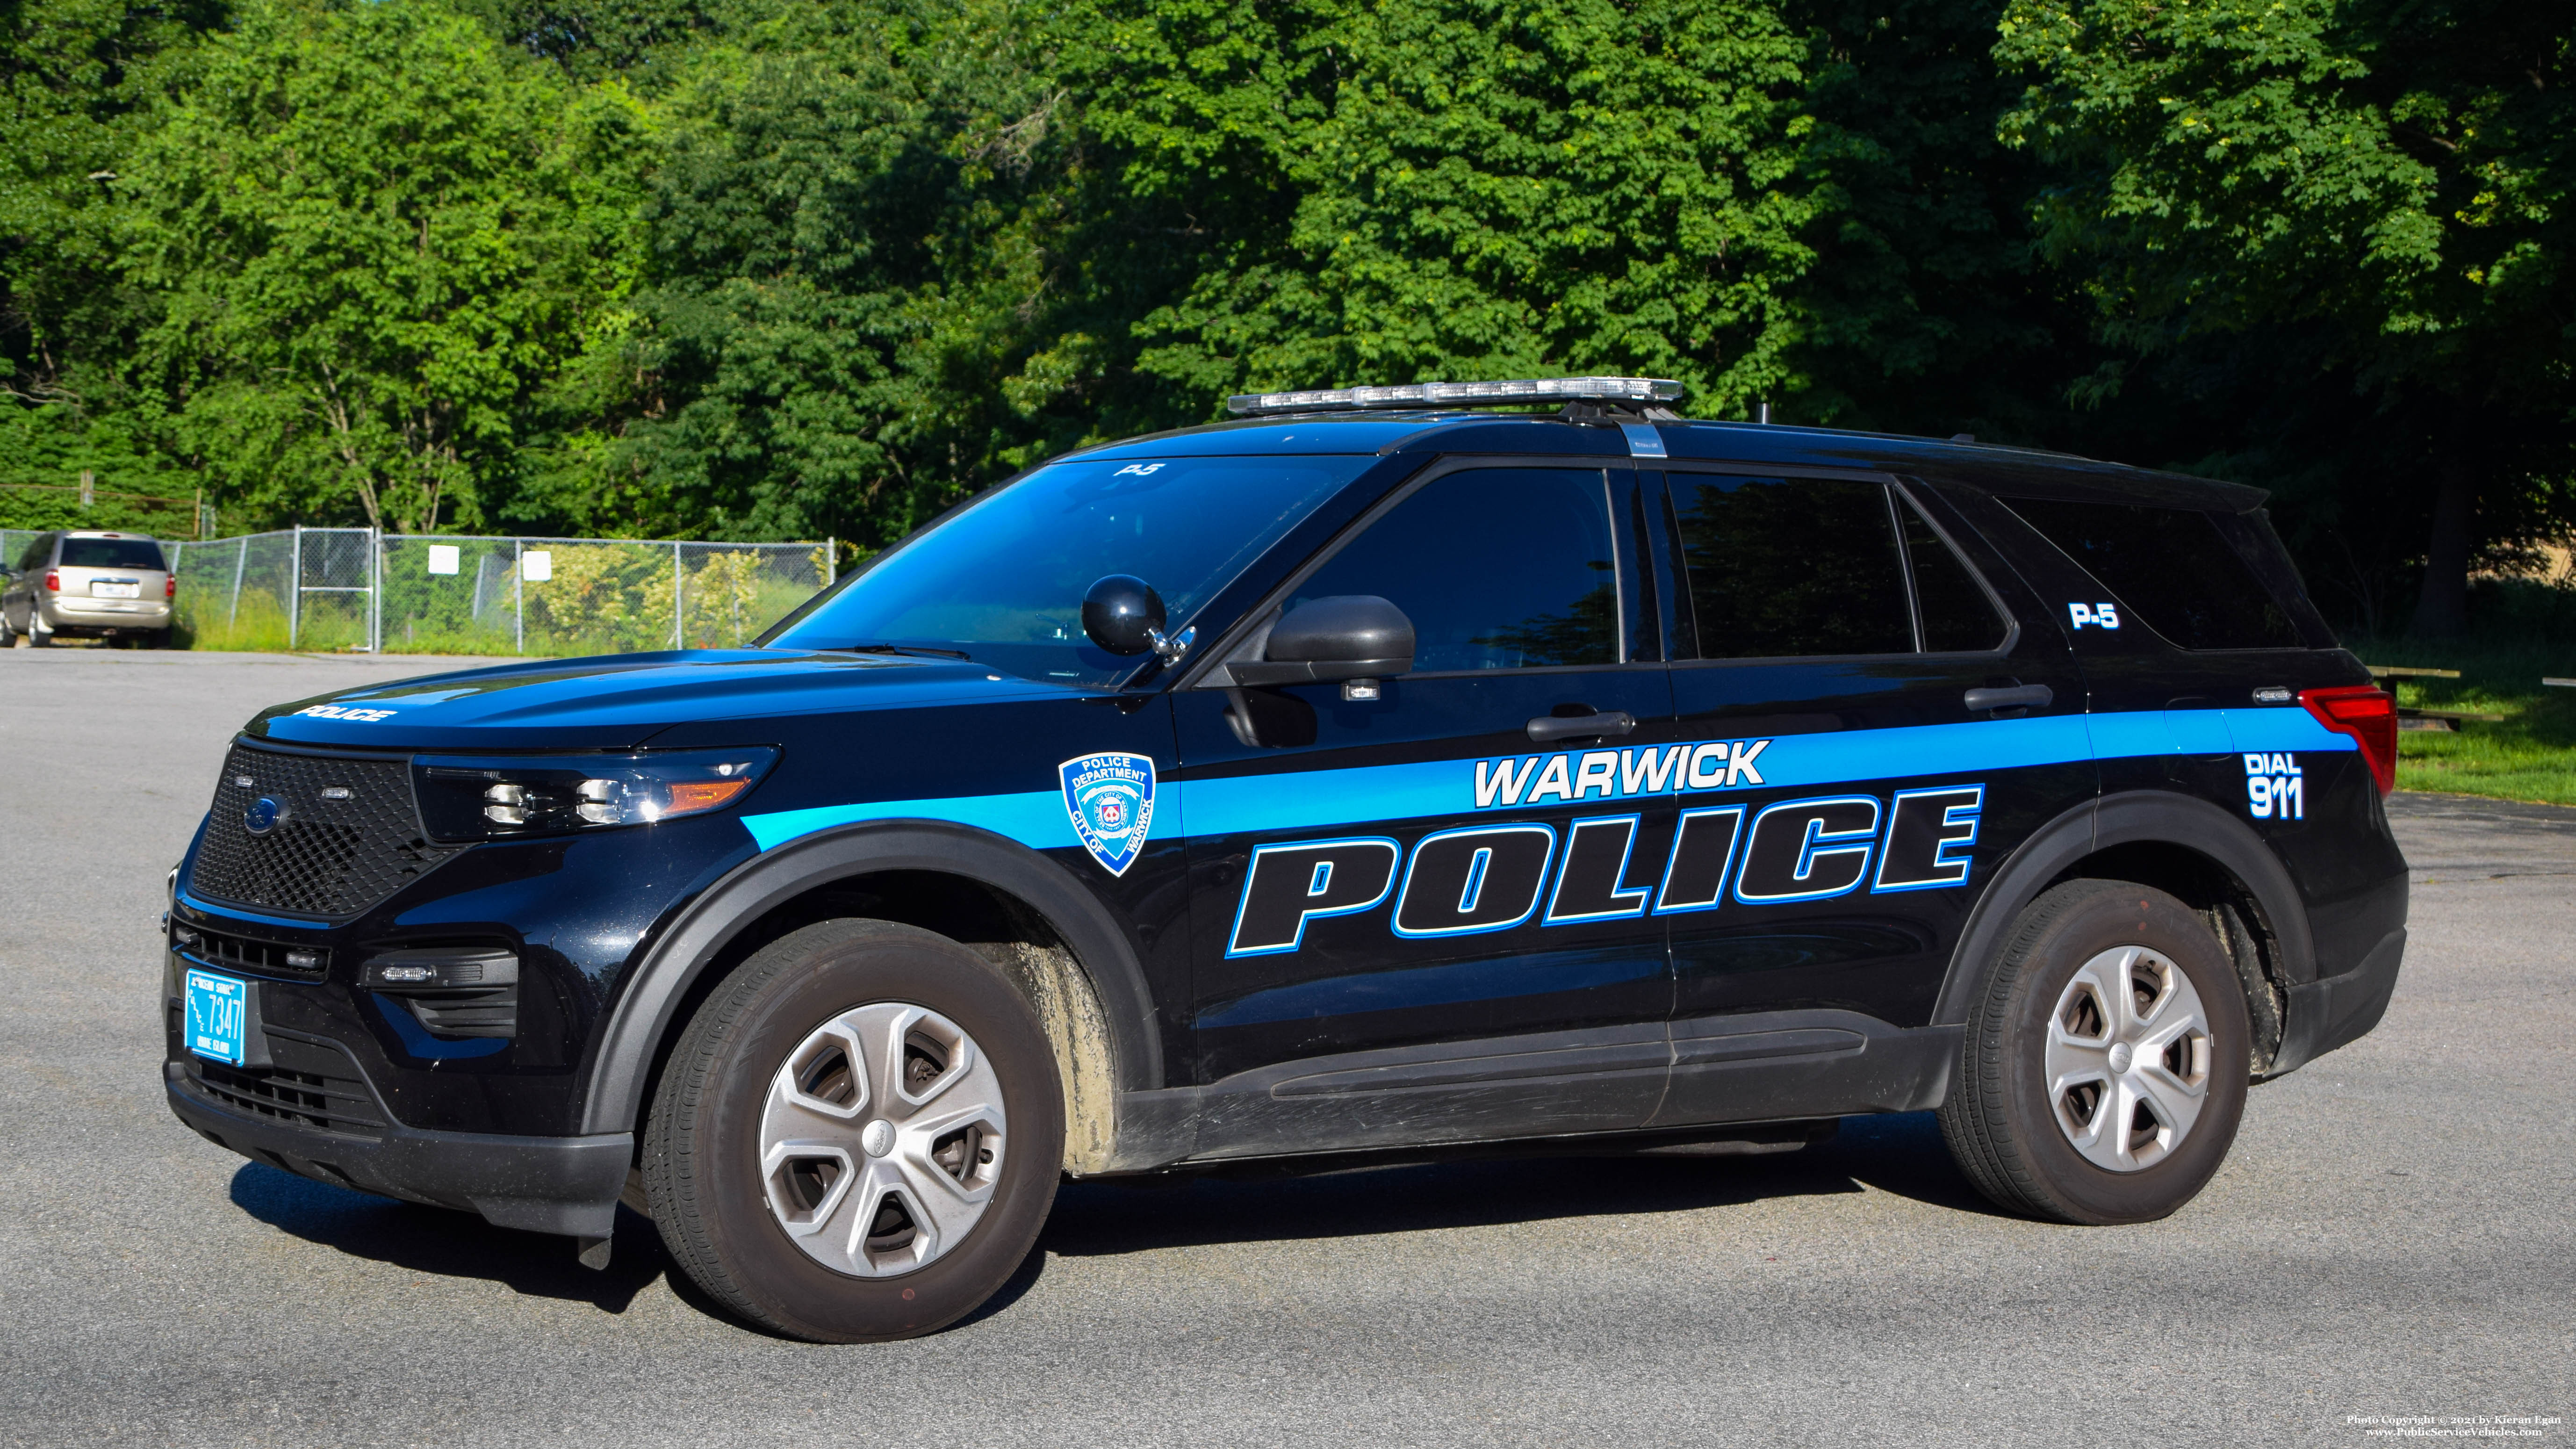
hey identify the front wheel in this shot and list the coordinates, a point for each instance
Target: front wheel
(859, 1135)
(2104, 1071)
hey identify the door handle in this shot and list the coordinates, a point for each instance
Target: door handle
(1549, 728)
(2018, 696)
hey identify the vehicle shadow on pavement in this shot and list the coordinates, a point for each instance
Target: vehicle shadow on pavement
(1899, 1155)
(451, 1244)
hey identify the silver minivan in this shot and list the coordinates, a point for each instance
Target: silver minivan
(87, 583)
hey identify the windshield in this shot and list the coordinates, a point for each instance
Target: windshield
(1003, 579)
(111, 553)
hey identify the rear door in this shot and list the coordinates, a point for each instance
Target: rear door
(1892, 733)
(1434, 917)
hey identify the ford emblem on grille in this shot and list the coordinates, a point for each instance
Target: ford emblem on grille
(261, 815)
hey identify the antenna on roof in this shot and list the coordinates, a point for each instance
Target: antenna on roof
(1762, 413)
(1534, 391)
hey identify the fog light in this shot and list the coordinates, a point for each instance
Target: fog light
(303, 960)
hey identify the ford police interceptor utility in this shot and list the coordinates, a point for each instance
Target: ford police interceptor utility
(1374, 774)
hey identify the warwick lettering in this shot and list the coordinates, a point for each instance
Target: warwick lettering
(1573, 775)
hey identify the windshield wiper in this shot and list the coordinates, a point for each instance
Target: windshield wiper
(900, 649)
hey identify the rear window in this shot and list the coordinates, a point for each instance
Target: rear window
(2169, 568)
(111, 553)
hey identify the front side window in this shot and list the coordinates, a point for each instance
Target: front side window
(1498, 568)
(111, 553)
(1002, 580)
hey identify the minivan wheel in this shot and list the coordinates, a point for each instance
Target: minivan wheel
(2102, 1075)
(38, 636)
(859, 1135)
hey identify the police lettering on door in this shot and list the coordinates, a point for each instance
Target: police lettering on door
(1475, 879)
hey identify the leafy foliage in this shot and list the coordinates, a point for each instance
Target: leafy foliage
(763, 268)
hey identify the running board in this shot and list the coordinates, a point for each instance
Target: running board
(1760, 1067)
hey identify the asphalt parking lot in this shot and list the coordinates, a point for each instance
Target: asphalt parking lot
(2392, 1237)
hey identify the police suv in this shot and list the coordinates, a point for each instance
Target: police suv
(1393, 770)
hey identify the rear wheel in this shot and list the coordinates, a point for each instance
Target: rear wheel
(8, 636)
(2102, 1076)
(38, 636)
(859, 1135)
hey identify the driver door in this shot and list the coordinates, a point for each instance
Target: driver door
(1430, 907)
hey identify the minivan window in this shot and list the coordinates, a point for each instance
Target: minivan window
(2167, 568)
(1002, 579)
(1791, 566)
(1498, 568)
(112, 553)
(34, 558)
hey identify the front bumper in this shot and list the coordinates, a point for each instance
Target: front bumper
(567, 1185)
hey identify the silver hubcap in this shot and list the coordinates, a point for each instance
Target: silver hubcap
(2128, 1059)
(882, 1139)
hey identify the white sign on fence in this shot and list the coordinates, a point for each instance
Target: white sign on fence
(442, 558)
(537, 566)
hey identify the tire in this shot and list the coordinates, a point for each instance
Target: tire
(38, 636)
(8, 636)
(755, 1076)
(2064, 1154)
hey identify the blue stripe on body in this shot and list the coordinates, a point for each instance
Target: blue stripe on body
(1326, 799)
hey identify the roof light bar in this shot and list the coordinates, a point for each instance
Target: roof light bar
(1537, 390)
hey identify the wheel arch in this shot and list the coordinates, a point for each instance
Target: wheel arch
(2187, 847)
(1009, 903)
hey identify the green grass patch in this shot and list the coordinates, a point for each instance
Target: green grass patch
(2530, 755)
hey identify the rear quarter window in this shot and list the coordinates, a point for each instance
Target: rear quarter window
(2168, 568)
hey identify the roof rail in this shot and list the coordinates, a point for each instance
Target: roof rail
(1537, 390)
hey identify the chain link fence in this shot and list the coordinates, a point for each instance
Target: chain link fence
(317, 588)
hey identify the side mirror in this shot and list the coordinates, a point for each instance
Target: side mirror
(1348, 636)
(1122, 614)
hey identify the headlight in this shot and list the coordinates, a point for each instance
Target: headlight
(503, 797)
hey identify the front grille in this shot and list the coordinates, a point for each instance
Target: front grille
(326, 855)
(248, 953)
(313, 1084)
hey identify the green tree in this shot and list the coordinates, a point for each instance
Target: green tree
(2313, 195)
(374, 239)
(77, 81)
(1465, 188)
(874, 283)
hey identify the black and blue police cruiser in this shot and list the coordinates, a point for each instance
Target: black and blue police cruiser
(1393, 770)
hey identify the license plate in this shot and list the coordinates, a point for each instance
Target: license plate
(115, 591)
(218, 1012)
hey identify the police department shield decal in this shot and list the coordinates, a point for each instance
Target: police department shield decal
(1111, 800)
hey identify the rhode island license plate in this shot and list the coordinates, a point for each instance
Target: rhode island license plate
(115, 591)
(218, 1012)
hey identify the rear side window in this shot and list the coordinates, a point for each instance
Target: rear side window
(1498, 568)
(2169, 567)
(111, 553)
(1784, 567)
(34, 557)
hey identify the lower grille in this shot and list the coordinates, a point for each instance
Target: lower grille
(338, 833)
(313, 1084)
(226, 950)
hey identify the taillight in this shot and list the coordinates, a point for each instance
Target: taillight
(169, 586)
(2369, 715)
(53, 582)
